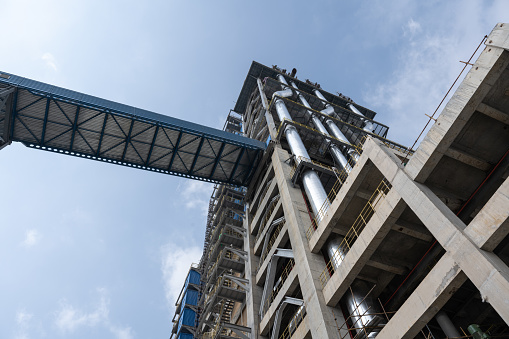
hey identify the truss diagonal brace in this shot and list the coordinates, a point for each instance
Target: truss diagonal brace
(5, 116)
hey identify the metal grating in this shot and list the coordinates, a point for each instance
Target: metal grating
(55, 119)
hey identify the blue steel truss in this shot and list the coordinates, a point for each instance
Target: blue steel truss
(55, 119)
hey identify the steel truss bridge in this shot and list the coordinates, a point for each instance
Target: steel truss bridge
(55, 119)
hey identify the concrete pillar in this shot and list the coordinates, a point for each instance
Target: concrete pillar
(320, 318)
(428, 298)
(485, 269)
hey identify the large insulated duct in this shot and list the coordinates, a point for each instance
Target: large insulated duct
(310, 181)
(446, 325)
(331, 247)
(368, 127)
(334, 129)
(333, 149)
(365, 312)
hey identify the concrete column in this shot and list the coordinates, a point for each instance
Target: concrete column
(428, 298)
(485, 269)
(491, 225)
(320, 317)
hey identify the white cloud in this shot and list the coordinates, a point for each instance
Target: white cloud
(50, 61)
(122, 333)
(428, 62)
(175, 263)
(412, 27)
(196, 195)
(69, 318)
(32, 237)
(23, 319)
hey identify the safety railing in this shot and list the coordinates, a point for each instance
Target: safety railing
(271, 206)
(228, 254)
(298, 124)
(316, 163)
(264, 192)
(293, 324)
(230, 232)
(225, 231)
(388, 142)
(286, 272)
(226, 282)
(271, 243)
(354, 231)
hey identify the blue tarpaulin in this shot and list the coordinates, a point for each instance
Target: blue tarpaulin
(191, 297)
(193, 277)
(187, 318)
(185, 336)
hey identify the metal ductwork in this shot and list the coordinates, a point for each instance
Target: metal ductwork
(334, 129)
(366, 314)
(294, 323)
(310, 181)
(368, 127)
(331, 247)
(334, 150)
(446, 325)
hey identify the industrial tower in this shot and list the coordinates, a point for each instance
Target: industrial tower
(345, 234)
(318, 226)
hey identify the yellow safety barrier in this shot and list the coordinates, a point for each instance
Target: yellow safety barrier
(226, 283)
(354, 231)
(293, 325)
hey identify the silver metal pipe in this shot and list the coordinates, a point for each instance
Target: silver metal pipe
(336, 132)
(446, 325)
(292, 136)
(365, 312)
(368, 127)
(286, 91)
(334, 150)
(319, 95)
(314, 190)
(295, 322)
(331, 247)
(310, 181)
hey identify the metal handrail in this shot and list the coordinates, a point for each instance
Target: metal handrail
(295, 321)
(273, 295)
(268, 213)
(271, 243)
(353, 233)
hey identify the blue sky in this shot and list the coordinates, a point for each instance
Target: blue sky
(89, 249)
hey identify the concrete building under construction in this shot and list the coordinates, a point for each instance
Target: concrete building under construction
(342, 233)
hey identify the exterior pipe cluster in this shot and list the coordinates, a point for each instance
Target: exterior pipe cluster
(368, 127)
(334, 129)
(316, 194)
(333, 149)
(310, 181)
